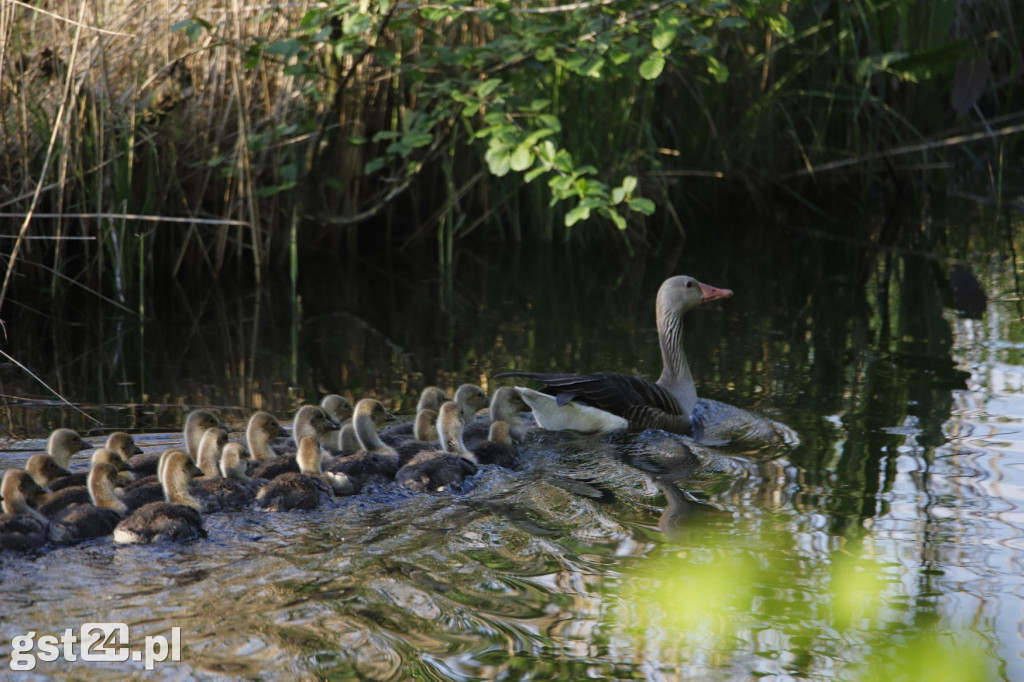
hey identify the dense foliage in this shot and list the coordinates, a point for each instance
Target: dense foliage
(341, 123)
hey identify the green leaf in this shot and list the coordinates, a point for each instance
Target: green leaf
(534, 174)
(618, 194)
(545, 54)
(629, 184)
(547, 151)
(289, 173)
(357, 24)
(717, 69)
(577, 214)
(284, 48)
(645, 206)
(780, 26)
(497, 158)
(662, 37)
(550, 121)
(375, 165)
(535, 136)
(619, 57)
(488, 86)
(652, 67)
(931, 63)
(619, 221)
(561, 186)
(732, 22)
(521, 158)
(417, 138)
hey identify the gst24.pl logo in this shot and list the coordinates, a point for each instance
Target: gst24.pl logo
(99, 642)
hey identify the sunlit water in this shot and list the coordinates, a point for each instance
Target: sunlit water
(898, 512)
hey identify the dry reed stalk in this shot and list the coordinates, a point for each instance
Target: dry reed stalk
(99, 141)
(46, 164)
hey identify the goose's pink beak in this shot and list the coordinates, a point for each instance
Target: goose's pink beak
(710, 293)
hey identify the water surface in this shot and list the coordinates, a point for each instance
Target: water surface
(895, 516)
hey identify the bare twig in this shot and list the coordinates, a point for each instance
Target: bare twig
(951, 141)
(65, 400)
(129, 216)
(70, 21)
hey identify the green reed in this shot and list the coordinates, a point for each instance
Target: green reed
(474, 123)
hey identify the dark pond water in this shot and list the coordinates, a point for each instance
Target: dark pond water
(886, 542)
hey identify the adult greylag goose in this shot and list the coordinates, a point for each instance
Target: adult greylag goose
(609, 401)
(263, 427)
(178, 517)
(376, 461)
(306, 489)
(444, 469)
(506, 403)
(103, 513)
(232, 488)
(22, 527)
(79, 494)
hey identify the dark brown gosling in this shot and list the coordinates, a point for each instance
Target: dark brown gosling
(448, 468)
(178, 517)
(22, 527)
(99, 517)
(376, 462)
(232, 489)
(306, 489)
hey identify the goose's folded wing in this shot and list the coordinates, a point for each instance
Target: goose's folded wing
(643, 403)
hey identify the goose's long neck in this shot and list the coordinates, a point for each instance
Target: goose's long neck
(309, 457)
(675, 371)
(259, 443)
(366, 432)
(209, 453)
(15, 502)
(176, 488)
(101, 490)
(501, 404)
(449, 428)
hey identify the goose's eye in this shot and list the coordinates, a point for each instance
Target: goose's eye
(689, 285)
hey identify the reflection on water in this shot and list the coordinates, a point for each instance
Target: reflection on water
(613, 557)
